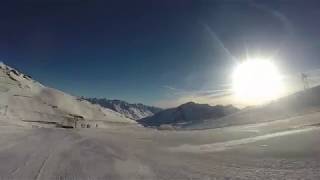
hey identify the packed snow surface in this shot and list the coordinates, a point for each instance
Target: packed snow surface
(285, 149)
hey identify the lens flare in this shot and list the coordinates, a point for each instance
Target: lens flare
(257, 81)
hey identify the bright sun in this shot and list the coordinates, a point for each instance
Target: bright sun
(257, 81)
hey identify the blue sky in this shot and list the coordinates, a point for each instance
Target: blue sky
(154, 52)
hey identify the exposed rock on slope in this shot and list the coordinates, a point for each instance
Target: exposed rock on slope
(132, 111)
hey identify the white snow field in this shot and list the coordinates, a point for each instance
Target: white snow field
(286, 148)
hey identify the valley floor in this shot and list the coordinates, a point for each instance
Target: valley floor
(285, 149)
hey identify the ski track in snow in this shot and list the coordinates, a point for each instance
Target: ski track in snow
(214, 147)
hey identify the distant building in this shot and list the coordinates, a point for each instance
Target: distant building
(76, 121)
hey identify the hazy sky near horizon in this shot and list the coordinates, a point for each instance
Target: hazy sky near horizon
(155, 52)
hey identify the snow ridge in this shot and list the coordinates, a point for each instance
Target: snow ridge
(24, 99)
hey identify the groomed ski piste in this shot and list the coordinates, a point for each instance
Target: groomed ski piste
(32, 146)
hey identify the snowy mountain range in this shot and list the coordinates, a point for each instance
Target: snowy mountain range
(297, 104)
(186, 114)
(131, 111)
(24, 99)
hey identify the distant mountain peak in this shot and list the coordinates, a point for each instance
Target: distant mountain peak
(188, 104)
(187, 113)
(133, 111)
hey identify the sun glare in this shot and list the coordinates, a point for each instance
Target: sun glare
(257, 81)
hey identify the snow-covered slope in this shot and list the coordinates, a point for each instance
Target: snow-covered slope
(22, 98)
(132, 111)
(186, 114)
(297, 104)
